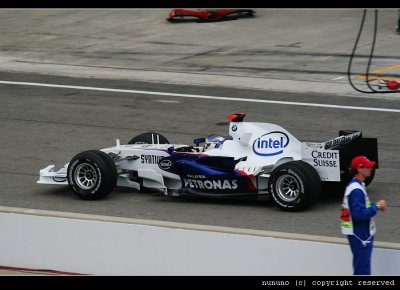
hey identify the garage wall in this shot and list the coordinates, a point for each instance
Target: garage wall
(121, 248)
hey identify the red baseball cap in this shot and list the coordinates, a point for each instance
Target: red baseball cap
(361, 160)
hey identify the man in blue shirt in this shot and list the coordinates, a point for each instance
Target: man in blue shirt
(357, 220)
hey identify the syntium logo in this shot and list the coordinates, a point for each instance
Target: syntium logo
(271, 144)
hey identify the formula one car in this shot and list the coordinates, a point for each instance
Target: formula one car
(257, 160)
(209, 14)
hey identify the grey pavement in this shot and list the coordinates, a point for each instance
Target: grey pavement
(291, 50)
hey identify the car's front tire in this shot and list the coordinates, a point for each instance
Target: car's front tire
(92, 174)
(295, 185)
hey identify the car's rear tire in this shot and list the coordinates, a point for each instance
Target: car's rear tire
(149, 138)
(295, 185)
(92, 174)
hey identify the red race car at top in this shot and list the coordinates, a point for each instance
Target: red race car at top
(390, 84)
(209, 14)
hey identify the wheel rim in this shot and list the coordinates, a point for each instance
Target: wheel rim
(86, 176)
(288, 188)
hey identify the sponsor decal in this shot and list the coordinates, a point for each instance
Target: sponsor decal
(211, 184)
(341, 140)
(60, 177)
(150, 159)
(234, 128)
(325, 158)
(165, 164)
(271, 144)
(326, 162)
(196, 176)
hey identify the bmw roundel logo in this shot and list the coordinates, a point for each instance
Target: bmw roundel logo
(234, 128)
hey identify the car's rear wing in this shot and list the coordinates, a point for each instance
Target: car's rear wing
(351, 143)
(341, 140)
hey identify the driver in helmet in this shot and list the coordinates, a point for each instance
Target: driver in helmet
(213, 141)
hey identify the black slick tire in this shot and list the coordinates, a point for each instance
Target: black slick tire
(295, 186)
(149, 138)
(92, 174)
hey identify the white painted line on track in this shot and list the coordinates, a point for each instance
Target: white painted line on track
(204, 97)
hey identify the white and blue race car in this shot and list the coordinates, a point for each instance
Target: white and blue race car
(257, 160)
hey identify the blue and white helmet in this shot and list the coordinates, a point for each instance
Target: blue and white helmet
(213, 141)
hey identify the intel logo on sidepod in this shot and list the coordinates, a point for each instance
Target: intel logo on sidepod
(270, 144)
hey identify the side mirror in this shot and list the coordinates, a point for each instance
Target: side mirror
(170, 150)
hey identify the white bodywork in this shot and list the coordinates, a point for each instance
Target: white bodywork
(265, 145)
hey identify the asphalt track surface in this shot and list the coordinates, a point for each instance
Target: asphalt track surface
(42, 125)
